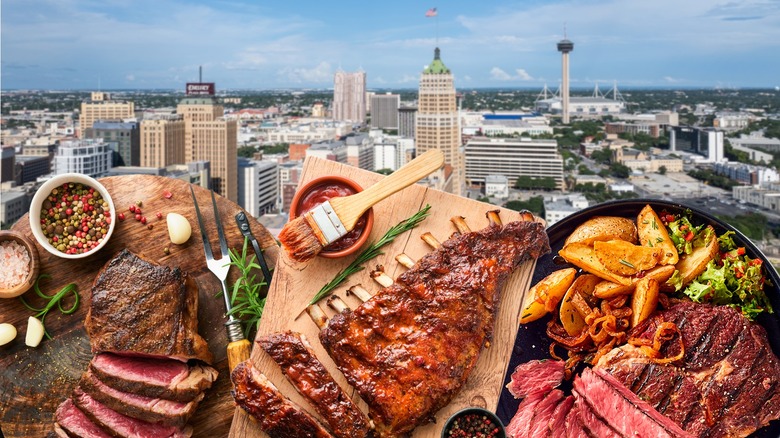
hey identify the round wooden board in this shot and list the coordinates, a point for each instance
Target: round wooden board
(34, 381)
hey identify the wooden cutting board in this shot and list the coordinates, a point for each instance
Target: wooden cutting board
(295, 284)
(33, 381)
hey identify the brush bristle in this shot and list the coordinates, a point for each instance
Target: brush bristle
(300, 241)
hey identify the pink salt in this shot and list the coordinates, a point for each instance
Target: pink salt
(15, 262)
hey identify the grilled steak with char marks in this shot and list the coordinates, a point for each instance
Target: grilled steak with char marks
(142, 308)
(726, 385)
(410, 348)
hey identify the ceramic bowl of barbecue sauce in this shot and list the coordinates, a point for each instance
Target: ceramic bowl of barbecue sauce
(473, 422)
(321, 189)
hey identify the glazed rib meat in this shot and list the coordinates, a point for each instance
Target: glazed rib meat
(142, 308)
(277, 415)
(410, 348)
(293, 354)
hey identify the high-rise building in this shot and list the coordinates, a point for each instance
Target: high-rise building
(360, 151)
(101, 107)
(122, 137)
(90, 157)
(406, 116)
(162, 141)
(349, 96)
(565, 46)
(258, 186)
(707, 142)
(384, 111)
(513, 158)
(210, 137)
(437, 125)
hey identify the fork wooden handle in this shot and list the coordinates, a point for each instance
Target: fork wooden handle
(237, 352)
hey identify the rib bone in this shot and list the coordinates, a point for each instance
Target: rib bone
(460, 224)
(360, 292)
(493, 217)
(527, 216)
(380, 277)
(404, 260)
(336, 303)
(430, 240)
(317, 315)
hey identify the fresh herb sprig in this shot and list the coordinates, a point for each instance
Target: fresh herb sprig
(53, 300)
(372, 251)
(245, 300)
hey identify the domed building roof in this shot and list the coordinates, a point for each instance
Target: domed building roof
(436, 67)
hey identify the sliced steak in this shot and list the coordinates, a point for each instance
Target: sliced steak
(536, 375)
(543, 414)
(151, 410)
(519, 424)
(72, 422)
(292, 352)
(277, 415)
(727, 384)
(623, 410)
(156, 378)
(574, 428)
(557, 423)
(139, 307)
(591, 423)
(120, 425)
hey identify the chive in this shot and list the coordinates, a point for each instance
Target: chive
(527, 315)
(627, 263)
(659, 239)
(52, 300)
(655, 225)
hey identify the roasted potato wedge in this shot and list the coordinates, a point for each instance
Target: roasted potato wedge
(652, 233)
(571, 310)
(583, 256)
(607, 289)
(601, 228)
(693, 264)
(644, 301)
(625, 258)
(545, 295)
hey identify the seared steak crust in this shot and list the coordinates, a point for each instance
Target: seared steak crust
(410, 348)
(144, 308)
(727, 384)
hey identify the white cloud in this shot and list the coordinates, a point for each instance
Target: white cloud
(500, 75)
(671, 80)
(523, 75)
(318, 74)
(130, 77)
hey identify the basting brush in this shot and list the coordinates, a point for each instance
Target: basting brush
(304, 237)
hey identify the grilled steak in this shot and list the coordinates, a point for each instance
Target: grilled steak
(73, 422)
(143, 308)
(277, 415)
(557, 423)
(535, 376)
(152, 410)
(539, 425)
(120, 425)
(621, 409)
(410, 348)
(156, 378)
(293, 354)
(728, 382)
(592, 424)
(525, 412)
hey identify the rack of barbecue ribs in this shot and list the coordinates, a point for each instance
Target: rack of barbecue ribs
(410, 348)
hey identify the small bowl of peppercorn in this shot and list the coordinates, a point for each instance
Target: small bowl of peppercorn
(473, 422)
(72, 216)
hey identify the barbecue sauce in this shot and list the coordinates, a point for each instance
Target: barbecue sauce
(321, 193)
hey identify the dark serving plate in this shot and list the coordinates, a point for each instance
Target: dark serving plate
(532, 342)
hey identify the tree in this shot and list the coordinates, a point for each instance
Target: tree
(530, 183)
(246, 151)
(619, 171)
(603, 156)
(534, 205)
(662, 170)
(584, 170)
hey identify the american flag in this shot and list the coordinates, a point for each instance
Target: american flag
(431, 12)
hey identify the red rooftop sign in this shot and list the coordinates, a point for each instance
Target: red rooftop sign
(200, 88)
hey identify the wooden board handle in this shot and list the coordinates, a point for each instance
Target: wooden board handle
(237, 352)
(350, 208)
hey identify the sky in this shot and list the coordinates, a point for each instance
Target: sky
(263, 44)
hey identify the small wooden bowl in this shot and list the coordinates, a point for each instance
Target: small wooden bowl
(495, 422)
(25, 285)
(295, 211)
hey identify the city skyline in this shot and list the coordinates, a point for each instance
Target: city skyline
(49, 44)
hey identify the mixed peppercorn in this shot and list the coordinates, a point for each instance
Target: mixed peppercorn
(75, 218)
(472, 425)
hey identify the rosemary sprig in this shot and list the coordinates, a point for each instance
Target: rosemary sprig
(52, 300)
(372, 251)
(246, 303)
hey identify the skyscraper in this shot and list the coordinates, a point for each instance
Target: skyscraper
(162, 141)
(210, 137)
(101, 107)
(437, 119)
(565, 46)
(349, 96)
(384, 110)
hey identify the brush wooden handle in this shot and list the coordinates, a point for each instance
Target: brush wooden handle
(350, 208)
(237, 352)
